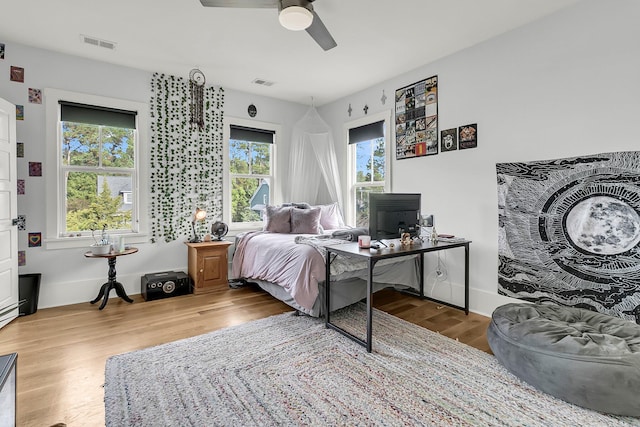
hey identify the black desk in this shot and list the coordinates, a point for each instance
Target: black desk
(373, 256)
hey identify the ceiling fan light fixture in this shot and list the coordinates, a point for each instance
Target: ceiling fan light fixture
(295, 18)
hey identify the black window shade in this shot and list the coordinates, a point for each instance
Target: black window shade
(366, 132)
(95, 115)
(241, 133)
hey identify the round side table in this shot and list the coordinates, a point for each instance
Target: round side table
(112, 283)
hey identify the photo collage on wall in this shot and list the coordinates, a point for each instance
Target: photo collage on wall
(417, 119)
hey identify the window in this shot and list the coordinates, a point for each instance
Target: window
(97, 165)
(251, 167)
(368, 156)
(94, 147)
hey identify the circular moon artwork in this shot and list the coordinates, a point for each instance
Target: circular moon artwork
(603, 225)
(569, 232)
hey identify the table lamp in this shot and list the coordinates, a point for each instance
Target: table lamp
(198, 215)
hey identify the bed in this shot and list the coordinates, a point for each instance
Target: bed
(287, 259)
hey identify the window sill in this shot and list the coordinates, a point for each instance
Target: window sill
(86, 241)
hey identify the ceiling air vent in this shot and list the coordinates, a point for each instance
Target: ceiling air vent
(262, 82)
(97, 42)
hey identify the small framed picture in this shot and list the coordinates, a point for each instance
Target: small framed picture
(35, 240)
(449, 140)
(17, 74)
(468, 136)
(35, 168)
(35, 96)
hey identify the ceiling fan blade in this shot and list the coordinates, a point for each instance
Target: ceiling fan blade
(320, 34)
(255, 4)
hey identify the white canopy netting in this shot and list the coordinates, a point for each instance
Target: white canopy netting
(313, 162)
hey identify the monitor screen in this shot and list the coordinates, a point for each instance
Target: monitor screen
(390, 214)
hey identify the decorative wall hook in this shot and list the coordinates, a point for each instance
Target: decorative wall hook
(196, 87)
(384, 97)
(349, 110)
(365, 109)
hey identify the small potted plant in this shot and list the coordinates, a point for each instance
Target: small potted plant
(102, 246)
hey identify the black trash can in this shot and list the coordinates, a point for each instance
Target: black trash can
(28, 291)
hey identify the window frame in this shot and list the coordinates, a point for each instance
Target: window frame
(351, 183)
(55, 186)
(274, 187)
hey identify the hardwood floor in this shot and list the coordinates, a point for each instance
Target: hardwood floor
(62, 351)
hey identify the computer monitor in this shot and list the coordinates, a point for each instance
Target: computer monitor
(391, 214)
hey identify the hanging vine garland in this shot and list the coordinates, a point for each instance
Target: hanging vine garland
(185, 163)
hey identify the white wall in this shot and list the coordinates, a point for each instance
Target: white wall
(67, 276)
(563, 86)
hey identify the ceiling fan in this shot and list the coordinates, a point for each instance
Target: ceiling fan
(294, 15)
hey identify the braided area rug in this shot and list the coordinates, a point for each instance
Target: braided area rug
(290, 370)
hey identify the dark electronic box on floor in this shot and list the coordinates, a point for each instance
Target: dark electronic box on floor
(165, 284)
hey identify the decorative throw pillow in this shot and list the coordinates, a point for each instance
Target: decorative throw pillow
(305, 221)
(277, 219)
(331, 217)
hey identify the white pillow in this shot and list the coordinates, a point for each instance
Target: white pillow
(330, 216)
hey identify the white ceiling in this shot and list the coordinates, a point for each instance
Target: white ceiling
(377, 39)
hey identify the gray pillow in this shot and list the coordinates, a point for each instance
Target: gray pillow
(277, 219)
(305, 221)
(300, 205)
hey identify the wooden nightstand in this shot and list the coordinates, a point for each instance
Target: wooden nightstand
(208, 265)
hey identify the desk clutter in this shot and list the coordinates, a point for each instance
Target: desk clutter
(106, 244)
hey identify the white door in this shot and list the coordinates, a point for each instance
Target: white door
(8, 211)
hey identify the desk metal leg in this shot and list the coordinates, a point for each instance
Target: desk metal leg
(369, 303)
(466, 279)
(466, 285)
(336, 328)
(327, 291)
(421, 273)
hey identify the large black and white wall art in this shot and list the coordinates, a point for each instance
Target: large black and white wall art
(569, 231)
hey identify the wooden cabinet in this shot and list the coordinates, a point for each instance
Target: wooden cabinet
(208, 265)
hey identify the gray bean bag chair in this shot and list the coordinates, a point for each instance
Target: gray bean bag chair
(582, 357)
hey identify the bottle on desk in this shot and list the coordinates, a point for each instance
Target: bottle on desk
(120, 244)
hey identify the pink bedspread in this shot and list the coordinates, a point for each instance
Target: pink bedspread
(277, 258)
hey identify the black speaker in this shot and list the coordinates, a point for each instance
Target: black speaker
(164, 285)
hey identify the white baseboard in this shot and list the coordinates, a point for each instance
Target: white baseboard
(480, 302)
(65, 293)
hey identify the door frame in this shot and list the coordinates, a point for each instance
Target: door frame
(8, 229)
